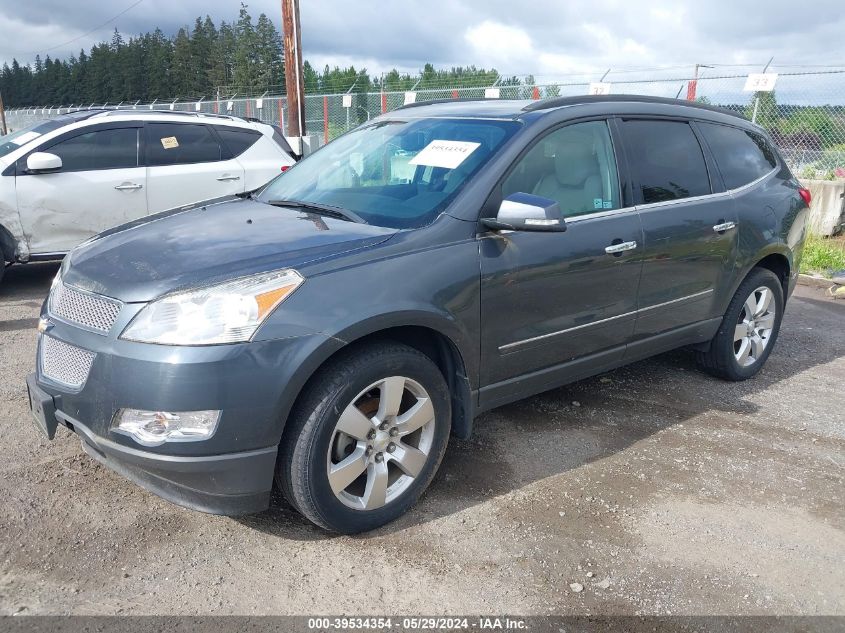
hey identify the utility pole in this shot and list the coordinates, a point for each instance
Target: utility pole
(294, 78)
(3, 129)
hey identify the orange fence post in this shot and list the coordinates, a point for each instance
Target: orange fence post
(536, 93)
(383, 103)
(454, 94)
(325, 119)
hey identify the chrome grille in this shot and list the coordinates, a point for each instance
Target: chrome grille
(91, 311)
(65, 363)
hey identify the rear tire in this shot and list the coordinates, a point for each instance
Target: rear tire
(365, 438)
(749, 328)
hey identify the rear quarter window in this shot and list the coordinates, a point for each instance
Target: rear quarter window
(237, 141)
(742, 156)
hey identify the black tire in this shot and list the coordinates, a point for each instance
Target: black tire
(720, 359)
(301, 471)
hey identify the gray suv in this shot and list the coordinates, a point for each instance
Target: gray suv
(330, 331)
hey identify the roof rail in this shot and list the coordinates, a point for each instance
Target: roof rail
(558, 102)
(417, 104)
(178, 113)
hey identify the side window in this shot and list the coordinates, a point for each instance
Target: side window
(101, 149)
(742, 156)
(574, 165)
(179, 144)
(236, 142)
(667, 160)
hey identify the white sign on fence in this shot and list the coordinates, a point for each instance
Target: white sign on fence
(347, 101)
(760, 82)
(491, 93)
(198, 106)
(599, 88)
(259, 103)
(410, 97)
(229, 106)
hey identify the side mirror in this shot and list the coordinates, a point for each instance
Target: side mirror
(526, 212)
(43, 163)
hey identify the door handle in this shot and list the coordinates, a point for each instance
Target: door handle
(225, 178)
(724, 226)
(128, 186)
(615, 249)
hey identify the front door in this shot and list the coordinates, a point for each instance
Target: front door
(555, 306)
(689, 226)
(100, 185)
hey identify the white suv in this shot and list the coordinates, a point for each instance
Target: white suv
(71, 177)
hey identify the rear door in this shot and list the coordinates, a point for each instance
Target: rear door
(689, 225)
(260, 156)
(559, 305)
(186, 163)
(100, 185)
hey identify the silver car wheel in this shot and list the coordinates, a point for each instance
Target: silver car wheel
(381, 443)
(754, 327)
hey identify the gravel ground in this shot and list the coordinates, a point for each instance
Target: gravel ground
(653, 489)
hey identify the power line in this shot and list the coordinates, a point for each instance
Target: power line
(94, 30)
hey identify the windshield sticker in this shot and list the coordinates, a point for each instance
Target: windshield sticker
(448, 154)
(169, 142)
(26, 137)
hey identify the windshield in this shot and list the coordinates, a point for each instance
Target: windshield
(18, 138)
(397, 174)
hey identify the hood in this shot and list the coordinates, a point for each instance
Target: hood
(143, 260)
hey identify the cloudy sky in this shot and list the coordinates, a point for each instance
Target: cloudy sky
(548, 38)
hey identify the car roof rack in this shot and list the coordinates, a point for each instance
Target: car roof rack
(210, 115)
(558, 102)
(417, 104)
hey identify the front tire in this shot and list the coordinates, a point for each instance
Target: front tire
(365, 438)
(749, 328)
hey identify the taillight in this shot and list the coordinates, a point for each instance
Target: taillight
(805, 194)
(286, 167)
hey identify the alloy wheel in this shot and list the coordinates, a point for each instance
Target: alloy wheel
(754, 327)
(381, 443)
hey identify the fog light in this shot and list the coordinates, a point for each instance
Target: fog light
(152, 428)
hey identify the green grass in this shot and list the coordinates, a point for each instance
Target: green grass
(823, 255)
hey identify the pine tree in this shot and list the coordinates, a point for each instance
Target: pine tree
(269, 54)
(183, 85)
(244, 73)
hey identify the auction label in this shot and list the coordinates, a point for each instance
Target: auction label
(448, 154)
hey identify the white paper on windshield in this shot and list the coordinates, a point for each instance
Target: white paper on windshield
(448, 154)
(26, 137)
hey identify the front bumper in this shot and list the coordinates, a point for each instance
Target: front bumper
(230, 484)
(253, 385)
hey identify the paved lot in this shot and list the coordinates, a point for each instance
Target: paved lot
(655, 487)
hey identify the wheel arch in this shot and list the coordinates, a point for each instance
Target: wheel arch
(7, 245)
(437, 343)
(776, 258)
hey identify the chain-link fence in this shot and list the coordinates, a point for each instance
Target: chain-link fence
(805, 114)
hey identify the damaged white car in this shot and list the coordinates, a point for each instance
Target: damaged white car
(68, 178)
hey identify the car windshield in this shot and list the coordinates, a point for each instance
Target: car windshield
(397, 174)
(18, 138)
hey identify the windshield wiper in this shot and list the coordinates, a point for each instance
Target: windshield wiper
(320, 209)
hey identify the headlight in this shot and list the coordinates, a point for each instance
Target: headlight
(226, 313)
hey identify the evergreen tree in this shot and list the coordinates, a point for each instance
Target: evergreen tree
(268, 54)
(245, 71)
